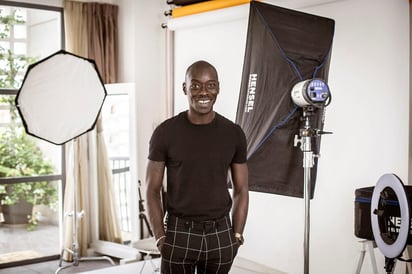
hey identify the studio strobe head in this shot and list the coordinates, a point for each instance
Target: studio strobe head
(311, 92)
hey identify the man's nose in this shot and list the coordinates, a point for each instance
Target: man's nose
(203, 89)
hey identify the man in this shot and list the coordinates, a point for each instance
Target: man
(198, 147)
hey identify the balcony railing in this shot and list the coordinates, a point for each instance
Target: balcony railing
(121, 183)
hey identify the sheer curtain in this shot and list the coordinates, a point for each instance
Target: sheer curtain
(91, 32)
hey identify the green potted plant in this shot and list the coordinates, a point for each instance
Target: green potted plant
(19, 154)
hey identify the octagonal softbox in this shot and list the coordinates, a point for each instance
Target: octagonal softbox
(61, 97)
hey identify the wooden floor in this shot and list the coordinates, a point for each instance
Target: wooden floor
(241, 266)
(39, 241)
(50, 267)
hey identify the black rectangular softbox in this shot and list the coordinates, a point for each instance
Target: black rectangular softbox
(283, 48)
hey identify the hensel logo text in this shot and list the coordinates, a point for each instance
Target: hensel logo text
(251, 92)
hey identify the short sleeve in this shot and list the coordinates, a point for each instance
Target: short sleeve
(157, 145)
(241, 146)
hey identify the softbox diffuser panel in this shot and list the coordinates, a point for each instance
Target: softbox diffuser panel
(60, 97)
(283, 48)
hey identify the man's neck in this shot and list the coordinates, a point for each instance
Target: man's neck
(201, 119)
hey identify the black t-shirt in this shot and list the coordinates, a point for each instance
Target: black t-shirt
(197, 159)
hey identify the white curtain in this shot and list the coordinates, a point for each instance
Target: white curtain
(93, 173)
(77, 154)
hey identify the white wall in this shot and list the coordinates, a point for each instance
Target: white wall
(223, 45)
(369, 79)
(144, 56)
(142, 62)
(369, 117)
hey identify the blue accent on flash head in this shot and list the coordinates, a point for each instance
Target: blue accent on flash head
(317, 91)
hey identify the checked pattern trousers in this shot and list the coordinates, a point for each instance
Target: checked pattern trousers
(208, 246)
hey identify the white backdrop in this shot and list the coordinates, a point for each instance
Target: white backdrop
(220, 44)
(369, 81)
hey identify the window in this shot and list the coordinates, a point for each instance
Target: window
(31, 170)
(117, 115)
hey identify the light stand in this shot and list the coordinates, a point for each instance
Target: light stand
(59, 100)
(305, 140)
(310, 95)
(142, 216)
(76, 215)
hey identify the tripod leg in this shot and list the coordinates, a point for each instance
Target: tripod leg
(143, 219)
(389, 265)
(98, 259)
(361, 259)
(371, 246)
(148, 226)
(61, 258)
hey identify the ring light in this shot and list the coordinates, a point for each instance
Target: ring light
(395, 249)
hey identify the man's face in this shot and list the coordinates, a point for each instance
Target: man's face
(201, 88)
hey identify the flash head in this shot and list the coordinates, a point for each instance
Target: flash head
(311, 92)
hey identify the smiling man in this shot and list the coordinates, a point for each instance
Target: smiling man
(198, 148)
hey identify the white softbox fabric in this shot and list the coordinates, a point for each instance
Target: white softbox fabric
(61, 97)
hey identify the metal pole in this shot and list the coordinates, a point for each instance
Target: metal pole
(306, 147)
(304, 139)
(75, 214)
(169, 72)
(307, 157)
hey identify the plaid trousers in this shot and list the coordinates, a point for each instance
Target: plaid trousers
(207, 246)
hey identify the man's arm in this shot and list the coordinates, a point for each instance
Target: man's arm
(240, 196)
(154, 180)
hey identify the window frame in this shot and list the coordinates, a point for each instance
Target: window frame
(52, 177)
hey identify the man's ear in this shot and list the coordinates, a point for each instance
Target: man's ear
(184, 88)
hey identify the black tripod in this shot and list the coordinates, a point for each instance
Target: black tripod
(142, 216)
